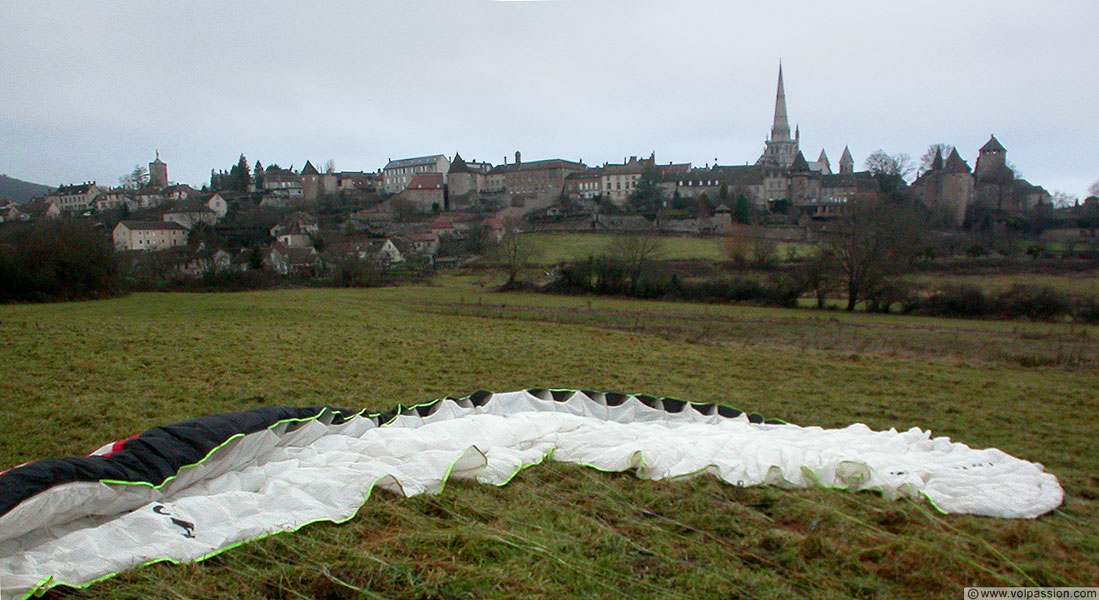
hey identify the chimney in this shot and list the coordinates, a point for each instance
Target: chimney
(518, 158)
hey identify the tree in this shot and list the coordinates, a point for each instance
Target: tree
(135, 179)
(928, 158)
(257, 175)
(513, 253)
(57, 259)
(742, 210)
(635, 252)
(240, 175)
(1062, 200)
(255, 258)
(1094, 189)
(647, 198)
(873, 241)
(883, 164)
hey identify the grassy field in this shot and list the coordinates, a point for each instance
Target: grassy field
(78, 375)
(1085, 283)
(562, 247)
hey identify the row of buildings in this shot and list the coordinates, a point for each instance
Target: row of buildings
(781, 175)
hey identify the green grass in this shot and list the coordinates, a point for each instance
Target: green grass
(76, 376)
(563, 247)
(1085, 283)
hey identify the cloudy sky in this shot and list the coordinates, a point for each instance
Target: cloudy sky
(91, 88)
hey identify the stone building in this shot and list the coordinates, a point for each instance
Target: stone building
(148, 235)
(75, 198)
(426, 192)
(399, 173)
(465, 181)
(158, 172)
(532, 185)
(997, 186)
(947, 188)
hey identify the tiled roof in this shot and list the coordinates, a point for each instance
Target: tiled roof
(552, 163)
(426, 181)
(153, 225)
(71, 190)
(993, 145)
(955, 164)
(413, 162)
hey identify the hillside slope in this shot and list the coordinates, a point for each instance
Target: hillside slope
(21, 191)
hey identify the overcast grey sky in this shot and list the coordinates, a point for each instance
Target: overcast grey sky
(91, 88)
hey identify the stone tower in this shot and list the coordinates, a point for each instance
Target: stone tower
(992, 161)
(847, 164)
(781, 149)
(158, 172)
(310, 182)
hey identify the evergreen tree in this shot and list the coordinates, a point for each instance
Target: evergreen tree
(647, 197)
(240, 175)
(742, 211)
(257, 175)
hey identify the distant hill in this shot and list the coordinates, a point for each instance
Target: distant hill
(21, 191)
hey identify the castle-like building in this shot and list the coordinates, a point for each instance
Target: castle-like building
(950, 188)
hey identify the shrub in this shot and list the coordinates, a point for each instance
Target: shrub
(58, 260)
(961, 301)
(1087, 311)
(1039, 303)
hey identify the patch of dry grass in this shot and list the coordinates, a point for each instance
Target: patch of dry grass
(76, 376)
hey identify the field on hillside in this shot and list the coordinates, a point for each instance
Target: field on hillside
(78, 375)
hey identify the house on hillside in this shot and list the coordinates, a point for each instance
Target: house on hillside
(382, 250)
(190, 213)
(40, 209)
(149, 235)
(113, 199)
(179, 192)
(206, 261)
(425, 192)
(424, 244)
(398, 174)
(296, 222)
(10, 212)
(292, 261)
(145, 198)
(295, 239)
(75, 198)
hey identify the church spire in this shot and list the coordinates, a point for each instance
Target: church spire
(780, 131)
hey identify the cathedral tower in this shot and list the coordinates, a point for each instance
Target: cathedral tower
(847, 163)
(780, 150)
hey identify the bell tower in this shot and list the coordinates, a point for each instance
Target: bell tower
(158, 172)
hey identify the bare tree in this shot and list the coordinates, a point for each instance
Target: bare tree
(1062, 200)
(636, 252)
(881, 163)
(873, 241)
(1094, 189)
(514, 252)
(928, 158)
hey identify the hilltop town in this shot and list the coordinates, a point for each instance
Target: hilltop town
(440, 208)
